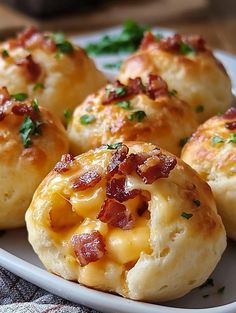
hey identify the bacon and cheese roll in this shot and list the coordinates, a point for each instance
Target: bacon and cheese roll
(32, 140)
(49, 67)
(211, 151)
(188, 66)
(136, 111)
(127, 218)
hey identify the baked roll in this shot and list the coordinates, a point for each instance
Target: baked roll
(211, 151)
(127, 218)
(49, 67)
(136, 111)
(32, 140)
(188, 66)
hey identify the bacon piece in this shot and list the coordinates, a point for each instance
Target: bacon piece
(135, 86)
(116, 159)
(230, 114)
(197, 42)
(231, 125)
(156, 167)
(88, 247)
(87, 180)
(116, 190)
(2, 115)
(64, 165)
(156, 87)
(4, 95)
(171, 44)
(115, 214)
(22, 109)
(114, 94)
(22, 37)
(147, 41)
(32, 69)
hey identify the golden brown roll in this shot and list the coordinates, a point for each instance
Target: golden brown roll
(128, 218)
(135, 111)
(47, 66)
(32, 140)
(188, 66)
(211, 151)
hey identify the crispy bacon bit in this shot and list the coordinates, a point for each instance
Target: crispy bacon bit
(170, 44)
(32, 69)
(88, 247)
(115, 214)
(156, 87)
(118, 157)
(231, 125)
(64, 164)
(156, 167)
(116, 190)
(4, 95)
(147, 41)
(230, 114)
(117, 92)
(2, 115)
(22, 109)
(23, 37)
(135, 86)
(87, 180)
(197, 42)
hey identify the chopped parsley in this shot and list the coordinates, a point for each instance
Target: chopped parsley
(38, 86)
(183, 141)
(124, 104)
(87, 119)
(35, 105)
(197, 202)
(121, 91)
(138, 116)
(127, 41)
(186, 48)
(63, 45)
(217, 139)
(199, 108)
(67, 116)
(232, 138)
(19, 96)
(113, 146)
(186, 215)
(221, 290)
(113, 66)
(27, 128)
(5, 53)
(172, 93)
(208, 282)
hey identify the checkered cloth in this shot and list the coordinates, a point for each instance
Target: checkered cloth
(19, 296)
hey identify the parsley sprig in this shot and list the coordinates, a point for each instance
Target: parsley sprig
(28, 128)
(127, 41)
(63, 45)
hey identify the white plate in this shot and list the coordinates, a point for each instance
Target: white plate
(17, 256)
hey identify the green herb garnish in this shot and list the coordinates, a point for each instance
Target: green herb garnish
(114, 146)
(186, 215)
(199, 108)
(217, 139)
(19, 96)
(158, 36)
(232, 138)
(138, 116)
(183, 141)
(124, 104)
(185, 48)
(5, 53)
(38, 86)
(121, 91)
(113, 66)
(87, 119)
(27, 128)
(197, 202)
(35, 105)
(208, 282)
(221, 290)
(63, 45)
(67, 116)
(127, 41)
(172, 93)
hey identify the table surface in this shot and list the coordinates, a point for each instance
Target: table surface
(214, 19)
